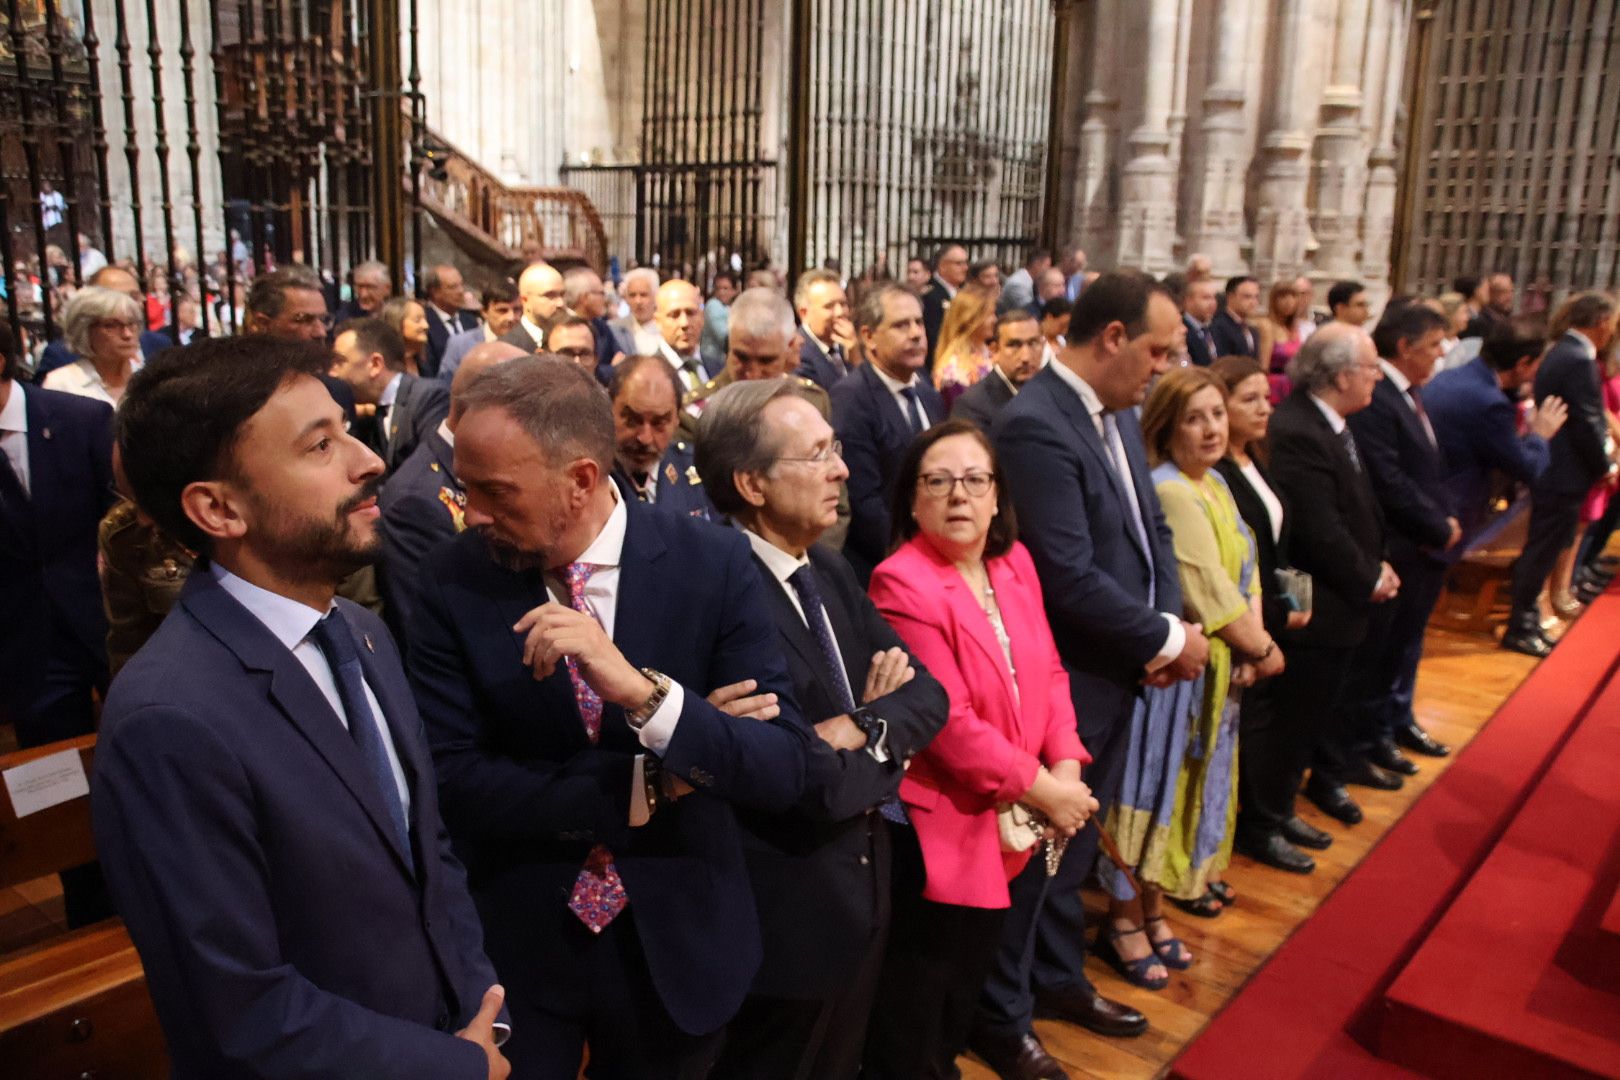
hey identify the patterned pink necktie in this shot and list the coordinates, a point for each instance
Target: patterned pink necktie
(598, 894)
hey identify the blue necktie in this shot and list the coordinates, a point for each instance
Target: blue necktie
(1122, 466)
(804, 583)
(913, 410)
(336, 642)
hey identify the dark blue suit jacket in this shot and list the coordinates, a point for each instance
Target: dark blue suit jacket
(48, 542)
(283, 930)
(421, 507)
(527, 795)
(1476, 423)
(439, 334)
(1197, 350)
(1406, 472)
(1073, 517)
(816, 365)
(680, 490)
(1229, 336)
(1578, 460)
(875, 435)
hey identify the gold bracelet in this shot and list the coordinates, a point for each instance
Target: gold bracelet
(637, 718)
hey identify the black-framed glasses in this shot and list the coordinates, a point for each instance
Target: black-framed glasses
(939, 485)
(834, 449)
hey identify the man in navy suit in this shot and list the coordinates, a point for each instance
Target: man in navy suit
(422, 504)
(1474, 412)
(650, 464)
(1016, 350)
(950, 274)
(877, 409)
(1401, 453)
(445, 296)
(264, 803)
(369, 356)
(1198, 312)
(500, 311)
(823, 311)
(1072, 452)
(561, 653)
(1579, 460)
(1230, 328)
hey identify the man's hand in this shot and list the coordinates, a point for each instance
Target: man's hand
(1389, 583)
(554, 632)
(1272, 665)
(739, 699)
(1549, 416)
(1242, 675)
(840, 733)
(482, 1031)
(618, 358)
(890, 670)
(843, 333)
(1456, 532)
(1193, 657)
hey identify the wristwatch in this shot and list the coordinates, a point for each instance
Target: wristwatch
(876, 730)
(637, 718)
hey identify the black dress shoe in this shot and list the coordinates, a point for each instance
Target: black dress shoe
(1528, 642)
(1333, 801)
(1419, 741)
(1386, 756)
(1093, 1012)
(1365, 774)
(1022, 1058)
(1304, 834)
(1278, 852)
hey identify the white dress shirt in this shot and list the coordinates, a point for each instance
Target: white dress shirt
(1176, 639)
(536, 333)
(14, 434)
(895, 386)
(292, 624)
(1335, 421)
(1404, 385)
(385, 400)
(82, 378)
(782, 567)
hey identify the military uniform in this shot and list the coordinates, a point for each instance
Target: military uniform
(693, 403)
(673, 485)
(422, 505)
(142, 571)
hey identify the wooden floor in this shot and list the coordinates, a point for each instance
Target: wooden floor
(1462, 681)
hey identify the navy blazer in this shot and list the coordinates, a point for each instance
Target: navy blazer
(1198, 353)
(48, 543)
(817, 366)
(527, 795)
(1578, 460)
(1229, 335)
(680, 489)
(439, 335)
(936, 297)
(1073, 517)
(821, 871)
(422, 507)
(283, 930)
(983, 401)
(1406, 472)
(875, 435)
(1477, 426)
(419, 406)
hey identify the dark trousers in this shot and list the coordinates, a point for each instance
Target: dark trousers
(1553, 519)
(937, 960)
(1257, 734)
(1383, 671)
(1043, 940)
(1597, 534)
(614, 1010)
(1306, 718)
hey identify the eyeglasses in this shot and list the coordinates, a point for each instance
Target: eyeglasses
(115, 325)
(576, 353)
(939, 484)
(834, 449)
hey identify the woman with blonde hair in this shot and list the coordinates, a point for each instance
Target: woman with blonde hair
(1279, 338)
(962, 356)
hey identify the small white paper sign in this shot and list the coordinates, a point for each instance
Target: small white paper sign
(46, 782)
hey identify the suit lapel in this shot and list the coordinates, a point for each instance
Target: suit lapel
(396, 416)
(1074, 409)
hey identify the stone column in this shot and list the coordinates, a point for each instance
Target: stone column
(1379, 224)
(1341, 150)
(1093, 202)
(1282, 230)
(1147, 216)
(1216, 222)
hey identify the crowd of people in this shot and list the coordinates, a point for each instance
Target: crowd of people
(743, 684)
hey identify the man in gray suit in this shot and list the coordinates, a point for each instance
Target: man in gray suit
(369, 355)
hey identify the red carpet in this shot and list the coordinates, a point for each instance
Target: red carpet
(1479, 937)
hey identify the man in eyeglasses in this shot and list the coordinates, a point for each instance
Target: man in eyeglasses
(821, 870)
(574, 338)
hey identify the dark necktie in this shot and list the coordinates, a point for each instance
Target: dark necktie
(11, 489)
(1209, 342)
(1122, 468)
(335, 639)
(640, 481)
(913, 409)
(692, 367)
(835, 353)
(1422, 414)
(598, 895)
(1349, 441)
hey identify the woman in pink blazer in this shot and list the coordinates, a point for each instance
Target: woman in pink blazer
(962, 593)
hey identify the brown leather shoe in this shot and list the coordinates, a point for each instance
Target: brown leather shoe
(1093, 1012)
(1022, 1058)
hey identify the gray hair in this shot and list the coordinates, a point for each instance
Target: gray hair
(761, 313)
(268, 293)
(371, 266)
(809, 280)
(870, 310)
(730, 438)
(575, 283)
(1322, 359)
(643, 273)
(554, 401)
(91, 303)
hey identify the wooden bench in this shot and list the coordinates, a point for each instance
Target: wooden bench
(76, 1005)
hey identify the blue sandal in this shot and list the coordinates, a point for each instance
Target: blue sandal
(1173, 952)
(1134, 972)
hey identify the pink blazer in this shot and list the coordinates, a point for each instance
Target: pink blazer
(995, 739)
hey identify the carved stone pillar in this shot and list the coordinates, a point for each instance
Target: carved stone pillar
(1093, 187)
(1341, 149)
(1379, 226)
(1216, 220)
(1147, 217)
(1282, 228)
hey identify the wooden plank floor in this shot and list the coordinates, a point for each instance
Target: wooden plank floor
(1462, 681)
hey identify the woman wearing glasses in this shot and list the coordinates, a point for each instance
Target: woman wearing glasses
(103, 327)
(962, 593)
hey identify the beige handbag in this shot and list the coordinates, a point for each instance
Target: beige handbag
(1019, 826)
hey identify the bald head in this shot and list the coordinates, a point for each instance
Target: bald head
(540, 289)
(479, 359)
(117, 279)
(679, 314)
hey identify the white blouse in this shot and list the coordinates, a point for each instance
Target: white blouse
(1273, 505)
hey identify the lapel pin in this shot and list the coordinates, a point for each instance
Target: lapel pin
(44, 433)
(669, 473)
(370, 648)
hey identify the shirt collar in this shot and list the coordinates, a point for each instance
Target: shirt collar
(446, 434)
(1393, 374)
(1335, 421)
(826, 350)
(894, 385)
(289, 621)
(608, 547)
(672, 356)
(444, 316)
(391, 391)
(1088, 396)
(14, 417)
(997, 369)
(536, 333)
(1587, 348)
(781, 564)
(950, 292)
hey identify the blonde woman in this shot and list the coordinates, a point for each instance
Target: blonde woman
(963, 355)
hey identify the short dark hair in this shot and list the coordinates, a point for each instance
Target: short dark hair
(944, 249)
(632, 364)
(10, 352)
(1237, 281)
(570, 320)
(726, 275)
(1056, 307)
(1404, 322)
(372, 335)
(557, 404)
(1015, 315)
(1503, 349)
(1003, 527)
(500, 292)
(1175, 283)
(1466, 285)
(268, 293)
(1117, 296)
(1343, 292)
(869, 309)
(731, 438)
(1584, 309)
(183, 413)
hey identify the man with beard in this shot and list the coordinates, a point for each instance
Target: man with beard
(561, 653)
(649, 463)
(1017, 350)
(265, 808)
